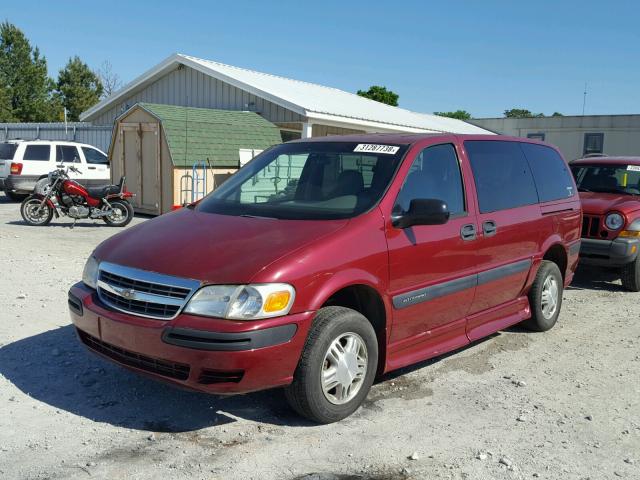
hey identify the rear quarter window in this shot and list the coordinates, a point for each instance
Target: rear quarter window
(550, 172)
(502, 175)
(7, 151)
(38, 153)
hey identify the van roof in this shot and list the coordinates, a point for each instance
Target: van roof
(410, 138)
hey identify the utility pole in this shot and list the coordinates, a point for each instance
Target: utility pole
(584, 98)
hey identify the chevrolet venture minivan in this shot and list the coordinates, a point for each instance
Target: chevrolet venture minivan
(325, 262)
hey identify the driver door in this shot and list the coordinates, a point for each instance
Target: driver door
(433, 267)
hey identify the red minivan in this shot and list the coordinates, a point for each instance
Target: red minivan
(325, 262)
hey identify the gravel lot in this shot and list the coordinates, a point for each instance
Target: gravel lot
(559, 405)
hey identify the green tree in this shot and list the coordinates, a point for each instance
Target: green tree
(78, 88)
(6, 112)
(380, 94)
(459, 114)
(557, 114)
(521, 113)
(23, 78)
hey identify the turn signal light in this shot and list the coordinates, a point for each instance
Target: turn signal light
(16, 168)
(630, 234)
(276, 301)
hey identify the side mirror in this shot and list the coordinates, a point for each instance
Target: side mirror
(423, 211)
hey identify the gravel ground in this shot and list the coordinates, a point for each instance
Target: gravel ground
(560, 405)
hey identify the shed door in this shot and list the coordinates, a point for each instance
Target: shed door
(141, 164)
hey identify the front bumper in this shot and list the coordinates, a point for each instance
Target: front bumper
(20, 183)
(609, 253)
(209, 355)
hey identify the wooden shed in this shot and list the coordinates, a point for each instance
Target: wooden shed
(172, 154)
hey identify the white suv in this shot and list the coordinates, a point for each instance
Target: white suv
(24, 162)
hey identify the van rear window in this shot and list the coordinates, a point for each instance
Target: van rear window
(551, 174)
(7, 150)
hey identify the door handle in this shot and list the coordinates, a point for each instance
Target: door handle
(489, 228)
(468, 232)
(91, 168)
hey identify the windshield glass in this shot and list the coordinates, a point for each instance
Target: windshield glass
(623, 179)
(311, 180)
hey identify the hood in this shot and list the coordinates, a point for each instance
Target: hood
(594, 203)
(209, 247)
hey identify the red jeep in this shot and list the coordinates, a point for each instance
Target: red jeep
(610, 193)
(324, 262)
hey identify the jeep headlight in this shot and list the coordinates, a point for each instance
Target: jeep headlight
(90, 272)
(242, 302)
(614, 221)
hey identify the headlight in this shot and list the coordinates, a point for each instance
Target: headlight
(242, 302)
(614, 221)
(90, 272)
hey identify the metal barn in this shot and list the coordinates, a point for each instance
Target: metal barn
(172, 154)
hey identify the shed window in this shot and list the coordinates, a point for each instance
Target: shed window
(593, 143)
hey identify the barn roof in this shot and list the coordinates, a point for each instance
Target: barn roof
(316, 102)
(198, 134)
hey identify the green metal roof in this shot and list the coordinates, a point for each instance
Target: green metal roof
(195, 134)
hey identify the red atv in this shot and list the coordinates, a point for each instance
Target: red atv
(61, 195)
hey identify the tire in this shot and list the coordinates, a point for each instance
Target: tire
(306, 394)
(16, 197)
(543, 317)
(28, 210)
(631, 276)
(125, 216)
(42, 186)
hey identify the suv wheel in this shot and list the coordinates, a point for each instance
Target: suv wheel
(631, 276)
(337, 366)
(545, 298)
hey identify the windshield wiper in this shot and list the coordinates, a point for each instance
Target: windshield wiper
(246, 215)
(582, 189)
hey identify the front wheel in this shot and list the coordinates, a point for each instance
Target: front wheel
(35, 212)
(631, 276)
(121, 214)
(337, 366)
(545, 298)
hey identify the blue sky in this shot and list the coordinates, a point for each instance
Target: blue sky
(483, 57)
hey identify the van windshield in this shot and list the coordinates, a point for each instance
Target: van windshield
(308, 180)
(623, 179)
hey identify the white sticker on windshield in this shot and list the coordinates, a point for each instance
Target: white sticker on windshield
(633, 168)
(374, 148)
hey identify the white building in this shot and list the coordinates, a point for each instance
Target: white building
(575, 136)
(299, 109)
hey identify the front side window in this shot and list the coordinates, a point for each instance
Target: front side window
(502, 175)
(67, 154)
(593, 143)
(38, 153)
(550, 173)
(434, 174)
(308, 180)
(624, 179)
(95, 157)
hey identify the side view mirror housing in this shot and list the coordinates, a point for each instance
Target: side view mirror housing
(423, 211)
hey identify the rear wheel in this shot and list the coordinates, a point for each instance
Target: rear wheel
(337, 366)
(545, 298)
(34, 212)
(121, 213)
(631, 276)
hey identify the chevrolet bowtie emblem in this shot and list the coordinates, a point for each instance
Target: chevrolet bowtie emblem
(128, 293)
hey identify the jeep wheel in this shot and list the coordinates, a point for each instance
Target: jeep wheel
(631, 276)
(545, 298)
(337, 366)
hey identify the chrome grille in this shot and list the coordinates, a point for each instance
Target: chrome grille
(143, 293)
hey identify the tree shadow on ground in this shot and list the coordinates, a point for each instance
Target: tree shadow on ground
(53, 367)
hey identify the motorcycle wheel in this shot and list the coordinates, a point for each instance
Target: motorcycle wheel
(121, 215)
(33, 213)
